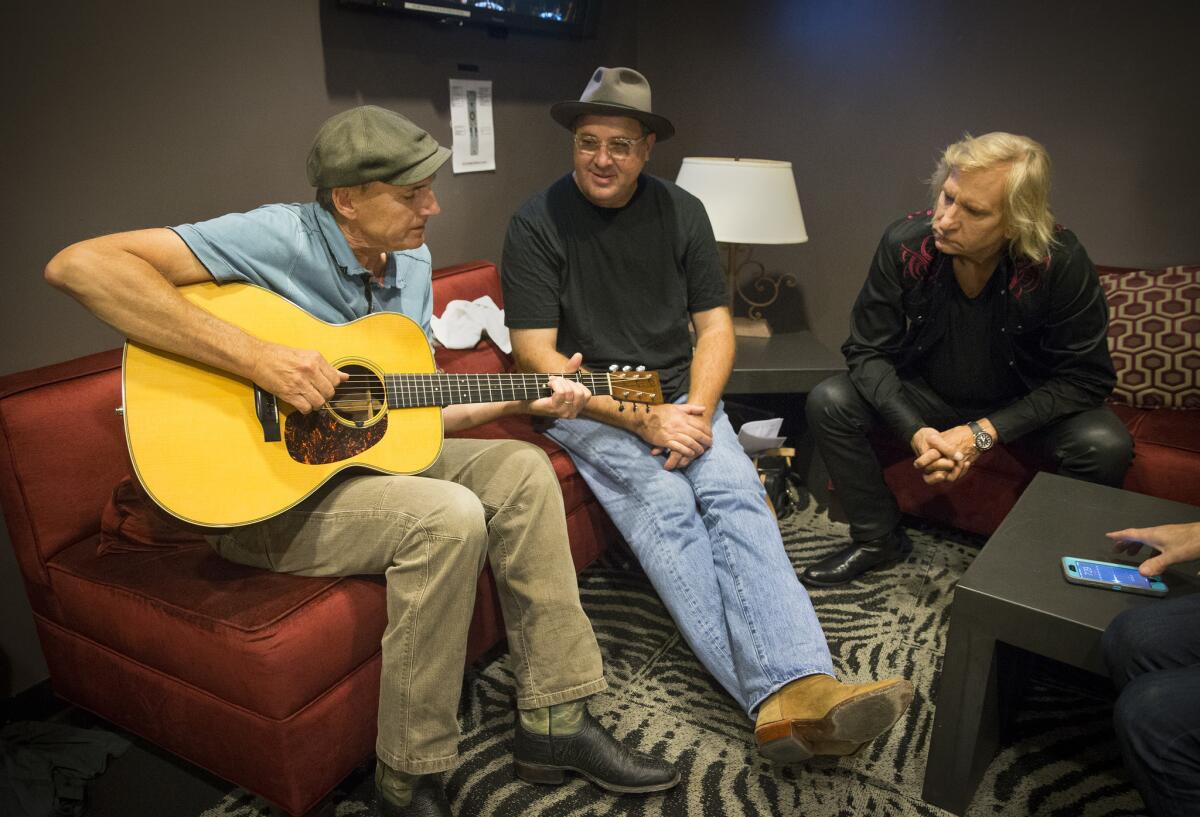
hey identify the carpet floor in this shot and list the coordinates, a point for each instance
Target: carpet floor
(1060, 759)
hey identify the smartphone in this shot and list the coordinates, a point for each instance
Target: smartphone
(1112, 576)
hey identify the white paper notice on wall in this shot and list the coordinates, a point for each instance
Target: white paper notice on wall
(471, 122)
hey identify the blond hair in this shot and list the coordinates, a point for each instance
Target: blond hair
(1027, 216)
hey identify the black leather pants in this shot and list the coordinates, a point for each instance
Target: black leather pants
(1091, 445)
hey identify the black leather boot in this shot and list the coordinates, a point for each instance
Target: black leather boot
(857, 559)
(593, 753)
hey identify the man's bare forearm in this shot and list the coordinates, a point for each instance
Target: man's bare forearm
(712, 364)
(130, 280)
(129, 293)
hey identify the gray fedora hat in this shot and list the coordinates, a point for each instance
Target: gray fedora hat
(372, 144)
(614, 92)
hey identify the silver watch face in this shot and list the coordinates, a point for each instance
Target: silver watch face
(983, 440)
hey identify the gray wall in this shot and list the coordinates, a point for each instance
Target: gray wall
(861, 96)
(139, 113)
(134, 113)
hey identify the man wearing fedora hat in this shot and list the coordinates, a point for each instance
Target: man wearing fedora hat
(360, 248)
(612, 262)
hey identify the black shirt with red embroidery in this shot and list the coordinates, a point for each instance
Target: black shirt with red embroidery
(1047, 356)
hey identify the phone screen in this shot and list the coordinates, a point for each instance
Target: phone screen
(1109, 573)
(1093, 573)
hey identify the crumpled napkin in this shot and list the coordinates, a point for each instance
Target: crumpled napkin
(463, 323)
(757, 436)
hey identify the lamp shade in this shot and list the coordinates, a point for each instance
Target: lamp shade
(749, 201)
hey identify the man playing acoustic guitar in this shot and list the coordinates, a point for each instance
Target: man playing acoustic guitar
(360, 249)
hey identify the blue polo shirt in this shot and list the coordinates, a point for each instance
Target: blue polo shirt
(298, 251)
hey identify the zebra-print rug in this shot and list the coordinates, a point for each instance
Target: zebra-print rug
(1062, 758)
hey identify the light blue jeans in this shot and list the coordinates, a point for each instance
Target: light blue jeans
(711, 548)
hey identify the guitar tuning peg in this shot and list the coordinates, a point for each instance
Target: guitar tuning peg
(640, 369)
(613, 368)
(626, 368)
(620, 406)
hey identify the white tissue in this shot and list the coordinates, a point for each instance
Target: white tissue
(464, 322)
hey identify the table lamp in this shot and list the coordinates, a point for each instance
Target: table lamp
(749, 201)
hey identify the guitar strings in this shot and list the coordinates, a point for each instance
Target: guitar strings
(486, 391)
(487, 387)
(515, 376)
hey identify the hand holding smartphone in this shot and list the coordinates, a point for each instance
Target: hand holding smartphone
(1111, 576)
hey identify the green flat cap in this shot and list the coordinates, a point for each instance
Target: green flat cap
(372, 144)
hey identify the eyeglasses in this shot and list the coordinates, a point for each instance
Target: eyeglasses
(618, 148)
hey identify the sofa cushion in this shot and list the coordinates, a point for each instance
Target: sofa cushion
(1164, 471)
(65, 449)
(466, 282)
(1166, 428)
(264, 641)
(1154, 336)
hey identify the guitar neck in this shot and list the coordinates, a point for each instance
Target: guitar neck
(440, 389)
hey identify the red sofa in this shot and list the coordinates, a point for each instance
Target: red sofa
(1153, 331)
(269, 681)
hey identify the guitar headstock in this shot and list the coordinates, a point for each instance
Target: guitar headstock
(629, 386)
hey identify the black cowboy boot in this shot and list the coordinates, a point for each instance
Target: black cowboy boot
(592, 752)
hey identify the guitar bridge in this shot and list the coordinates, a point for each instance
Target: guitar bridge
(267, 411)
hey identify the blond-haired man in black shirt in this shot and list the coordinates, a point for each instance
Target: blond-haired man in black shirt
(981, 321)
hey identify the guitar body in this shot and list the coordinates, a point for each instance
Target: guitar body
(195, 435)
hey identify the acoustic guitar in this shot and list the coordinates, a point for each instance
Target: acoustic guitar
(215, 450)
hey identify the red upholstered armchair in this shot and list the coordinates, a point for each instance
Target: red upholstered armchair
(1154, 335)
(269, 681)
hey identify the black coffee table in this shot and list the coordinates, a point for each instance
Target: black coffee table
(1014, 594)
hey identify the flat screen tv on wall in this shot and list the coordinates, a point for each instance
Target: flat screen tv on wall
(568, 18)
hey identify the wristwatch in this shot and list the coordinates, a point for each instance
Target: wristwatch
(983, 440)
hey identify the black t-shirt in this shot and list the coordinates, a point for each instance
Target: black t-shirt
(617, 283)
(968, 367)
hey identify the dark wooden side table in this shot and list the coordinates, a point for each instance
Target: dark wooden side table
(1014, 594)
(787, 362)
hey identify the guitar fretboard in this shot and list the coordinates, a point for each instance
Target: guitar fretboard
(440, 389)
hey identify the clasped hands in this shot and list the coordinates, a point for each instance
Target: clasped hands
(683, 430)
(944, 456)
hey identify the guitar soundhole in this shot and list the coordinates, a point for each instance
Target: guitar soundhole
(354, 420)
(361, 400)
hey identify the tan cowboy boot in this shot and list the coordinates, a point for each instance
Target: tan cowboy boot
(819, 715)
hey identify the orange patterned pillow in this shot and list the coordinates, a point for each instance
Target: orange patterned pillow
(1154, 336)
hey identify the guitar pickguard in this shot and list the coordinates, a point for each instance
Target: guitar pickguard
(317, 438)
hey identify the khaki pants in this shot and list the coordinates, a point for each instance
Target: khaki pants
(429, 535)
